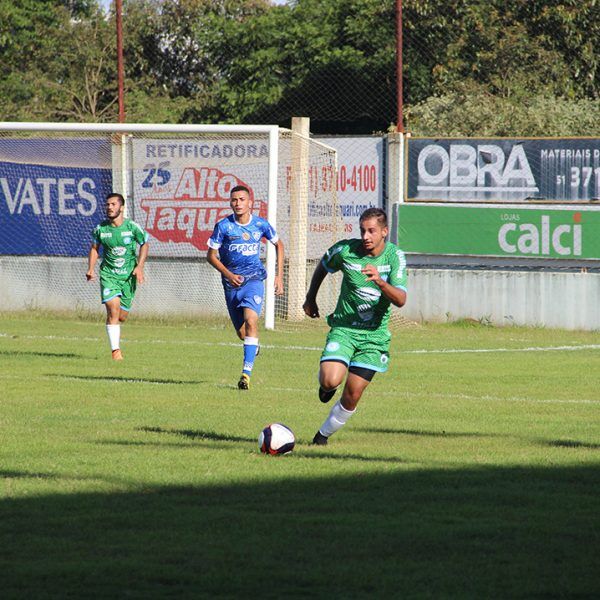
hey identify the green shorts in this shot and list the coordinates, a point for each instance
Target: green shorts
(111, 287)
(357, 348)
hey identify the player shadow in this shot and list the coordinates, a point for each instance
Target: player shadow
(346, 457)
(38, 353)
(198, 434)
(478, 532)
(125, 379)
(424, 433)
(9, 474)
(572, 444)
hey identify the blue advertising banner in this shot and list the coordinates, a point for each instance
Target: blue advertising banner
(49, 208)
(504, 170)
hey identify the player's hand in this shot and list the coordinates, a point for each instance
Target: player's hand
(90, 276)
(139, 275)
(372, 274)
(278, 286)
(311, 309)
(235, 280)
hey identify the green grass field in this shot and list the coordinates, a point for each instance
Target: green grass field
(470, 470)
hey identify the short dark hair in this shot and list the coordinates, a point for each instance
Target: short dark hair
(375, 213)
(116, 195)
(240, 188)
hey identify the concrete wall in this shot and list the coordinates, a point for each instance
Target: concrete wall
(549, 299)
(539, 298)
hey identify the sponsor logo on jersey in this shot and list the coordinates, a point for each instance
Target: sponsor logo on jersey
(353, 267)
(245, 249)
(105, 234)
(384, 268)
(258, 299)
(256, 236)
(106, 291)
(384, 359)
(119, 250)
(245, 236)
(332, 346)
(127, 240)
(368, 293)
(119, 262)
(187, 211)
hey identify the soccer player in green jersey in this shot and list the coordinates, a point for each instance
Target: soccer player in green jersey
(120, 270)
(357, 345)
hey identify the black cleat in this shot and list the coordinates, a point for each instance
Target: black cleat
(244, 382)
(326, 395)
(320, 439)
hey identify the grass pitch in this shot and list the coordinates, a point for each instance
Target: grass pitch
(471, 469)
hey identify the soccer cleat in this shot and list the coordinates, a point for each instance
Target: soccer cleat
(326, 396)
(117, 354)
(257, 350)
(244, 382)
(320, 439)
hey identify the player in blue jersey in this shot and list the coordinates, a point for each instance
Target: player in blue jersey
(233, 249)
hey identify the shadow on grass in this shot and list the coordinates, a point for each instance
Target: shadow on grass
(573, 444)
(198, 434)
(423, 433)
(213, 436)
(38, 353)
(124, 379)
(471, 533)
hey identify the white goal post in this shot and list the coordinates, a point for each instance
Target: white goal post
(176, 178)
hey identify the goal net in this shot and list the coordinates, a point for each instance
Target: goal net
(176, 179)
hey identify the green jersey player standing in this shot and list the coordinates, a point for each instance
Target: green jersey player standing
(374, 277)
(120, 270)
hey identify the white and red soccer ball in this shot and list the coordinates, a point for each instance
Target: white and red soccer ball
(276, 439)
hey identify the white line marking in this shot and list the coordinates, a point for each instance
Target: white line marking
(572, 348)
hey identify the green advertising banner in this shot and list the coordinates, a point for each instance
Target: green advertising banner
(482, 231)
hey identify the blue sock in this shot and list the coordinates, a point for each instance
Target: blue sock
(250, 348)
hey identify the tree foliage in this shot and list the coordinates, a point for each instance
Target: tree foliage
(479, 67)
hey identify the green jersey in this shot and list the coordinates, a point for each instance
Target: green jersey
(361, 305)
(119, 246)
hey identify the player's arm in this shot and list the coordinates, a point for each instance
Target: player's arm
(213, 259)
(279, 276)
(138, 272)
(395, 295)
(310, 304)
(92, 259)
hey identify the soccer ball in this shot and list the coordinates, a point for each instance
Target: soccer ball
(276, 439)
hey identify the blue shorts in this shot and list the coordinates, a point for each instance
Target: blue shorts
(249, 295)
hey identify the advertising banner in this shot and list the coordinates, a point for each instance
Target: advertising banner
(52, 194)
(360, 165)
(503, 170)
(507, 232)
(182, 188)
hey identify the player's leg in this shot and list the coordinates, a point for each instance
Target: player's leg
(251, 297)
(113, 327)
(110, 291)
(356, 383)
(335, 359)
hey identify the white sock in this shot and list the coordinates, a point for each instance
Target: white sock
(114, 336)
(336, 420)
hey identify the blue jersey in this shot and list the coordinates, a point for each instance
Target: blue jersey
(239, 245)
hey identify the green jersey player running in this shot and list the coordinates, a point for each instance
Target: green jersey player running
(374, 276)
(120, 270)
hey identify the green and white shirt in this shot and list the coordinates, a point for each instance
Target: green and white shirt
(119, 246)
(361, 304)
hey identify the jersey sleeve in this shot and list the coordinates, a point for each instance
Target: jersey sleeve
(139, 234)
(215, 241)
(269, 233)
(332, 259)
(398, 273)
(96, 235)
